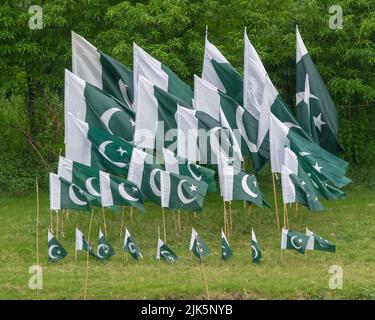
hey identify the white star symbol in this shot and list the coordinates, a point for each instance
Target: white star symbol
(299, 240)
(132, 122)
(316, 167)
(303, 182)
(122, 151)
(193, 188)
(135, 189)
(255, 183)
(319, 122)
(80, 191)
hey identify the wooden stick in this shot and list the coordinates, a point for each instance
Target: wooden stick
(195, 215)
(75, 249)
(175, 221)
(284, 216)
(205, 278)
(249, 209)
(230, 216)
(122, 220)
(88, 255)
(37, 221)
(105, 224)
(57, 224)
(179, 220)
(164, 228)
(131, 214)
(275, 197)
(225, 218)
(50, 220)
(62, 225)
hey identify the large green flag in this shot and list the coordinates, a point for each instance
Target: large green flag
(118, 191)
(226, 251)
(316, 111)
(131, 247)
(197, 246)
(318, 243)
(256, 253)
(181, 192)
(105, 250)
(96, 107)
(293, 240)
(159, 75)
(164, 252)
(184, 167)
(101, 70)
(56, 251)
(82, 244)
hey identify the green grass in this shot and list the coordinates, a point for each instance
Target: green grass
(349, 223)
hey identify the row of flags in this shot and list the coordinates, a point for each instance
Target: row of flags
(289, 240)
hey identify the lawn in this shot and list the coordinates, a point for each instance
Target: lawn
(348, 223)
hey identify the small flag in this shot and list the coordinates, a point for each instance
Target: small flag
(226, 251)
(318, 243)
(105, 250)
(56, 251)
(82, 244)
(256, 253)
(165, 253)
(294, 240)
(131, 247)
(198, 246)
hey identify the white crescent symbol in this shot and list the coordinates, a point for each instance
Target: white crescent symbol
(106, 117)
(124, 194)
(99, 247)
(154, 188)
(181, 195)
(293, 244)
(239, 113)
(90, 188)
(246, 188)
(74, 198)
(50, 251)
(124, 93)
(131, 247)
(198, 178)
(256, 252)
(102, 152)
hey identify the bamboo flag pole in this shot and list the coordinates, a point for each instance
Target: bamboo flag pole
(75, 248)
(179, 220)
(275, 197)
(88, 254)
(50, 220)
(131, 214)
(284, 216)
(105, 224)
(175, 221)
(37, 221)
(230, 216)
(204, 277)
(164, 228)
(287, 218)
(225, 218)
(122, 220)
(57, 224)
(62, 224)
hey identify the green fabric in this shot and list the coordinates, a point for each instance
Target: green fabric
(296, 241)
(56, 251)
(105, 250)
(256, 253)
(226, 251)
(200, 249)
(132, 248)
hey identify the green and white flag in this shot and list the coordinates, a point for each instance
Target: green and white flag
(105, 250)
(118, 191)
(198, 246)
(159, 75)
(82, 244)
(56, 251)
(318, 243)
(181, 192)
(101, 70)
(96, 107)
(96, 148)
(256, 253)
(156, 115)
(316, 110)
(226, 251)
(326, 165)
(184, 167)
(293, 240)
(165, 253)
(131, 247)
(65, 195)
(220, 73)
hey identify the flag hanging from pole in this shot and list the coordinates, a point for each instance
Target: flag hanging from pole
(56, 251)
(226, 251)
(293, 240)
(131, 247)
(164, 252)
(256, 253)
(105, 250)
(82, 244)
(198, 246)
(318, 243)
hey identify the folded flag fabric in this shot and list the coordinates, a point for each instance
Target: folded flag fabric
(101, 70)
(226, 251)
(256, 253)
(56, 251)
(131, 247)
(294, 240)
(198, 246)
(318, 243)
(164, 252)
(105, 250)
(82, 244)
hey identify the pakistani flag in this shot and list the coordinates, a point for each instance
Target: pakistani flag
(159, 75)
(56, 251)
(118, 191)
(184, 167)
(198, 246)
(101, 70)
(82, 244)
(220, 73)
(294, 240)
(156, 114)
(131, 247)
(318, 243)
(96, 148)
(181, 192)
(66, 195)
(165, 253)
(105, 250)
(316, 111)
(324, 164)
(256, 253)
(98, 108)
(226, 251)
